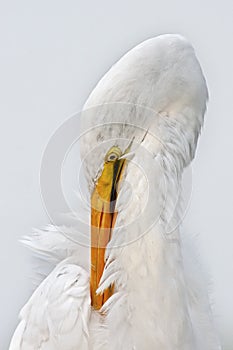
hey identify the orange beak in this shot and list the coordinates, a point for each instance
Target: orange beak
(103, 218)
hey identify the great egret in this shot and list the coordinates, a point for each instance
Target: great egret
(140, 130)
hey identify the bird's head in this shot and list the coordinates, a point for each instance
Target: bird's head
(158, 89)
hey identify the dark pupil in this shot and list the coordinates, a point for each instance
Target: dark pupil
(112, 157)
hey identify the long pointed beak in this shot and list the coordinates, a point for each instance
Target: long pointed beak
(103, 217)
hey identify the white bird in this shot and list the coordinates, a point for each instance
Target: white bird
(140, 129)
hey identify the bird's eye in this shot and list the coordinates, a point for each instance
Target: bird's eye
(113, 154)
(112, 157)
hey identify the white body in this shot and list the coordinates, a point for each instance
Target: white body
(160, 300)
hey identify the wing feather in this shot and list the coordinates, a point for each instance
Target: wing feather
(57, 314)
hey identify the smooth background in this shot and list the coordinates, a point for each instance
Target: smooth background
(52, 54)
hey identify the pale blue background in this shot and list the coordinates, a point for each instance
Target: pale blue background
(52, 53)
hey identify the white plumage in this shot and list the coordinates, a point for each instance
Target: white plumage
(156, 96)
(56, 315)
